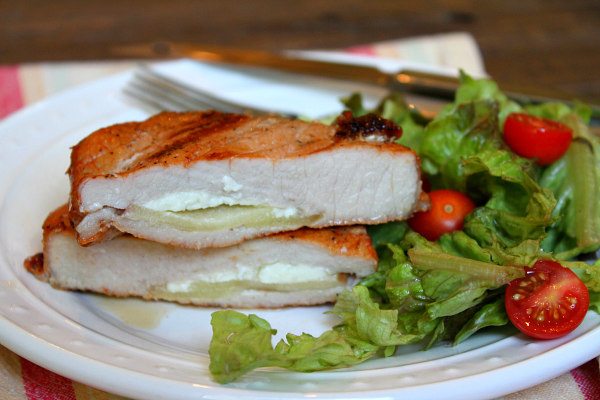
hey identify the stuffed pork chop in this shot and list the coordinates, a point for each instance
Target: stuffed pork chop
(303, 267)
(210, 179)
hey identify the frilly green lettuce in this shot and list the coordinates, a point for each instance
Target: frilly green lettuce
(447, 290)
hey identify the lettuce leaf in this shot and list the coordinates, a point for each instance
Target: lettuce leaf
(430, 296)
(241, 343)
(491, 314)
(419, 305)
(426, 292)
(523, 206)
(575, 181)
(463, 150)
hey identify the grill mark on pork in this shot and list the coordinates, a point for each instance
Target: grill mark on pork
(181, 136)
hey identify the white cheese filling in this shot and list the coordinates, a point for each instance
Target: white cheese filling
(191, 200)
(276, 273)
(230, 185)
(200, 200)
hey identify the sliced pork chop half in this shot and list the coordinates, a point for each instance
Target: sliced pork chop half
(208, 179)
(303, 267)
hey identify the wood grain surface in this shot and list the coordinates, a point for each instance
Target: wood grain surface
(549, 43)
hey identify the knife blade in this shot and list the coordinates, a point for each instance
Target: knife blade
(409, 81)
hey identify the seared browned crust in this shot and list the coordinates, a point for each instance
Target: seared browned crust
(183, 138)
(350, 241)
(35, 266)
(56, 222)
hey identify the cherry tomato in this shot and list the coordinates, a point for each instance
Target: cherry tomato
(447, 213)
(549, 302)
(539, 138)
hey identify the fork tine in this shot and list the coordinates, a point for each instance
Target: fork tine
(146, 97)
(160, 92)
(152, 93)
(177, 91)
(171, 101)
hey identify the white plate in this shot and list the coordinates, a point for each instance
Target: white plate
(104, 343)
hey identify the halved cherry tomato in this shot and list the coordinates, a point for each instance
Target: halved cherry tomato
(539, 138)
(549, 302)
(447, 213)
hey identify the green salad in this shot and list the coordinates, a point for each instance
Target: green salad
(427, 291)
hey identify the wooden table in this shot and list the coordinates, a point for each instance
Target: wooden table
(552, 43)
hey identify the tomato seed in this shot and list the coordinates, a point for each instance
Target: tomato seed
(517, 296)
(529, 311)
(542, 276)
(541, 317)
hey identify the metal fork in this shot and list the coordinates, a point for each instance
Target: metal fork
(160, 92)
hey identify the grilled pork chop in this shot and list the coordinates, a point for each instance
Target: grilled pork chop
(303, 267)
(209, 179)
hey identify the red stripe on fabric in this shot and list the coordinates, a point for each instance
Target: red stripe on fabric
(586, 377)
(11, 98)
(363, 50)
(41, 384)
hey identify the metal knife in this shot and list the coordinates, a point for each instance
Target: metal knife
(407, 81)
